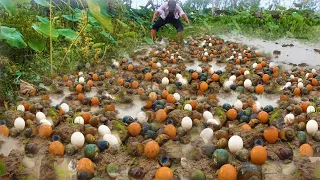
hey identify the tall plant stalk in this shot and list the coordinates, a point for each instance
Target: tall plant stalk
(51, 46)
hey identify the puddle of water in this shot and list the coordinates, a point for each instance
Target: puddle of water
(66, 169)
(299, 53)
(58, 98)
(8, 145)
(215, 66)
(264, 100)
(130, 109)
(92, 93)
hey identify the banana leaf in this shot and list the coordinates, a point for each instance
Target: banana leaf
(95, 11)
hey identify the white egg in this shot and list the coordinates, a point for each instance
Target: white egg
(111, 139)
(213, 121)
(272, 65)
(205, 50)
(235, 144)
(232, 78)
(211, 70)
(207, 115)
(307, 76)
(178, 76)
(172, 57)
(87, 65)
(314, 71)
(116, 64)
(81, 80)
(249, 48)
(289, 118)
(177, 53)
(227, 84)
(80, 73)
(300, 80)
(186, 123)
(79, 120)
(176, 96)
(257, 106)
(77, 139)
(288, 84)
(312, 126)
(103, 130)
(158, 64)
(210, 44)
(231, 57)
(199, 69)
(203, 43)
(207, 135)
(21, 108)
(300, 85)
(311, 109)
(234, 52)
(247, 83)
(45, 121)
(166, 71)
(65, 107)
(165, 81)
(40, 116)
(246, 72)
(240, 57)
(179, 57)
(291, 76)
(19, 123)
(206, 54)
(238, 105)
(183, 81)
(188, 107)
(254, 65)
(256, 51)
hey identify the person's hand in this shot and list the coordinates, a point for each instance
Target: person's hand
(188, 22)
(152, 21)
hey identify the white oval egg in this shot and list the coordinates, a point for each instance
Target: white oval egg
(235, 144)
(103, 130)
(77, 139)
(312, 126)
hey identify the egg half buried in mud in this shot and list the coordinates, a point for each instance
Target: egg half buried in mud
(310, 109)
(227, 84)
(111, 139)
(207, 135)
(186, 123)
(19, 123)
(65, 107)
(235, 144)
(20, 108)
(238, 105)
(79, 120)
(289, 119)
(188, 107)
(312, 126)
(207, 115)
(77, 139)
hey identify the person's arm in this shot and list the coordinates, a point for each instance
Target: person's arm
(183, 14)
(155, 15)
(157, 12)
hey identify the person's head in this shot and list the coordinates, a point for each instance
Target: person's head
(172, 5)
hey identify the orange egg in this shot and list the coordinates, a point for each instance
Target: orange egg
(306, 150)
(296, 91)
(310, 75)
(164, 94)
(227, 172)
(194, 104)
(245, 58)
(194, 75)
(259, 89)
(94, 101)
(232, 114)
(79, 88)
(134, 129)
(258, 155)
(85, 165)
(246, 127)
(95, 77)
(154, 66)
(215, 77)
(203, 86)
(258, 67)
(204, 58)
(4, 131)
(45, 131)
(69, 83)
(170, 98)
(309, 87)
(148, 105)
(161, 115)
(164, 173)
(56, 148)
(140, 91)
(45, 97)
(170, 130)
(153, 96)
(81, 97)
(263, 117)
(265, 78)
(304, 106)
(65, 78)
(90, 83)
(223, 50)
(263, 63)
(271, 134)
(135, 84)
(86, 117)
(110, 107)
(151, 149)
(284, 97)
(120, 82)
(314, 82)
(275, 69)
(251, 102)
(130, 67)
(108, 75)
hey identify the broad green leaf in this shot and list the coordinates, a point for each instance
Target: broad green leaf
(103, 6)
(297, 16)
(37, 44)
(107, 35)
(12, 36)
(104, 21)
(149, 40)
(43, 20)
(44, 29)
(124, 25)
(9, 6)
(74, 18)
(43, 3)
(68, 33)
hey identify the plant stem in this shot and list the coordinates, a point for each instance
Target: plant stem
(51, 47)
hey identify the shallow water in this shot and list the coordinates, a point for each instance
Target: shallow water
(58, 98)
(214, 65)
(297, 54)
(8, 145)
(130, 109)
(66, 169)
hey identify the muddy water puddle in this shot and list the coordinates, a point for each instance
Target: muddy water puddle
(130, 109)
(8, 145)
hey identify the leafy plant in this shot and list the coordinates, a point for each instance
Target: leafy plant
(12, 36)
